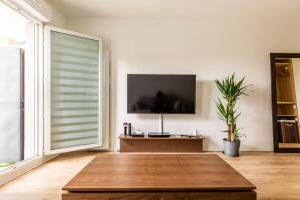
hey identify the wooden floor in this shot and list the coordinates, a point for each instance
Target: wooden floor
(277, 176)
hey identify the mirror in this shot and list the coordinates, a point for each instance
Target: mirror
(285, 70)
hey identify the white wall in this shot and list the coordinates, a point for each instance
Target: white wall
(57, 17)
(211, 48)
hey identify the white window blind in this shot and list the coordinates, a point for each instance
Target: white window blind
(75, 91)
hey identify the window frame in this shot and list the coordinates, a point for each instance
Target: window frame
(47, 91)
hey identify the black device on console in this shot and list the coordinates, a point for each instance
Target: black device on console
(137, 134)
(158, 134)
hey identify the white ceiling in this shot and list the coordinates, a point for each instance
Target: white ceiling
(192, 9)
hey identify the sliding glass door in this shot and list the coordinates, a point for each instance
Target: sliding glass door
(18, 37)
(73, 96)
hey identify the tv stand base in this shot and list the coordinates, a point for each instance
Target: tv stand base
(159, 134)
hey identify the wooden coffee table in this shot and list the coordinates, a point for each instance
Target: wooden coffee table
(158, 176)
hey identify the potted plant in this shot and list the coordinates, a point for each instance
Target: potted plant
(231, 90)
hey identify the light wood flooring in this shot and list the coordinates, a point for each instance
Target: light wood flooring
(276, 176)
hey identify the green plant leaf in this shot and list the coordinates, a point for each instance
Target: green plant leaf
(231, 90)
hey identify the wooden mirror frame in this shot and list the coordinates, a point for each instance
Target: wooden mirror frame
(273, 56)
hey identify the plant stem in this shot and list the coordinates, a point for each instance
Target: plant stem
(229, 132)
(231, 122)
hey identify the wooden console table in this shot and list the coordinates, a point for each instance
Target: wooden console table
(158, 176)
(161, 144)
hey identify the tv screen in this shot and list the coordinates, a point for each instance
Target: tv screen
(161, 93)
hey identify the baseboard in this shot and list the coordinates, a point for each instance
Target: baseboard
(257, 149)
(22, 168)
(242, 149)
(220, 150)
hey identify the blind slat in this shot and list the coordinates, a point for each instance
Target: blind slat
(75, 74)
(74, 112)
(75, 54)
(72, 119)
(73, 109)
(58, 85)
(73, 116)
(70, 61)
(76, 97)
(74, 131)
(75, 136)
(76, 104)
(82, 71)
(76, 93)
(77, 82)
(68, 65)
(80, 142)
(74, 123)
(74, 127)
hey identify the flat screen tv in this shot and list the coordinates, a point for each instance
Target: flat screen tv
(161, 93)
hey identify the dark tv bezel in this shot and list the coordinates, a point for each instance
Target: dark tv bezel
(181, 113)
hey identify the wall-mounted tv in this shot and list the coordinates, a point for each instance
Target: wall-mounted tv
(161, 93)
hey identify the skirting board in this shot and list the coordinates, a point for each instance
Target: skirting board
(257, 149)
(243, 149)
(22, 168)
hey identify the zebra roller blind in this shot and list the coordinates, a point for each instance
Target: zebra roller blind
(75, 91)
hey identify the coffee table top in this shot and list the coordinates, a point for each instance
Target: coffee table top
(158, 172)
